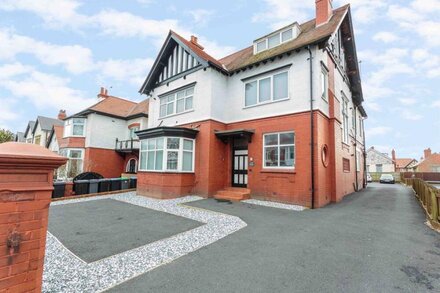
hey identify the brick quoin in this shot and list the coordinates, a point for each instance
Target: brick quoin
(24, 204)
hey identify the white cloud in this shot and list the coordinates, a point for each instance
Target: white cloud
(133, 71)
(408, 101)
(201, 16)
(436, 104)
(378, 130)
(386, 37)
(409, 115)
(74, 58)
(365, 11)
(427, 6)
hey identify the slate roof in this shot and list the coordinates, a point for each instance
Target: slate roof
(19, 136)
(57, 130)
(30, 127)
(47, 123)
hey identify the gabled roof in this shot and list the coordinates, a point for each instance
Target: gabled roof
(19, 136)
(57, 131)
(385, 156)
(29, 127)
(116, 107)
(403, 162)
(46, 123)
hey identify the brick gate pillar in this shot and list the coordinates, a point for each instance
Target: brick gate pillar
(26, 174)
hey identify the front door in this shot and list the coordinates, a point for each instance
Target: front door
(239, 166)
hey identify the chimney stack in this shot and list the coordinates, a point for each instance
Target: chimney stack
(393, 155)
(324, 11)
(194, 40)
(427, 153)
(62, 115)
(103, 93)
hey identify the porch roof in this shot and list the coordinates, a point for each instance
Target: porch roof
(240, 132)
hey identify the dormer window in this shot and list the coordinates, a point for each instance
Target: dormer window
(277, 38)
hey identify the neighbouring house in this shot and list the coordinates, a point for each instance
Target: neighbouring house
(55, 137)
(430, 162)
(43, 127)
(101, 138)
(280, 120)
(403, 164)
(378, 162)
(19, 137)
(28, 133)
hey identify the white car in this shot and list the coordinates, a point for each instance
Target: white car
(369, 179)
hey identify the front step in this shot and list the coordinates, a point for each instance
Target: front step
(233, 194)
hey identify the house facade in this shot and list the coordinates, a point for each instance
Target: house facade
(43, 126)
(281, 120)
(430, 162)
(101, 138)
(378, 162)
(28, 133)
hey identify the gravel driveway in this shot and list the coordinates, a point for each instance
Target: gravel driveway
(373, 241)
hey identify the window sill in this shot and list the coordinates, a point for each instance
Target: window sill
(285, 171)
(177, 114)
(266, 103)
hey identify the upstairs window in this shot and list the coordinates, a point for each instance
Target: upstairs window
(75, 127)
(177, 102)
(37, 139)
(324, 84)
(267, 89)
(133, 132)
(276, 39)
(344, 119)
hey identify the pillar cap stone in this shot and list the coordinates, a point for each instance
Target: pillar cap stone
(25, 155)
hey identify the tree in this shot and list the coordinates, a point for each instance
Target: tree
(6, 135)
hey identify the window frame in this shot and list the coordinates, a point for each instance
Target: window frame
(324, 91)
(69, 158)
(69, 125)
(165, 150)
(279, 145)
(174, 94)
(345, 119)
(263, 77)
(280, 37)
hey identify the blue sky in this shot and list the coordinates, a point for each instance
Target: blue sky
(56, 54)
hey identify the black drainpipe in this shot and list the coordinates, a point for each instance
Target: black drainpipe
(355, 149)
(312, 142)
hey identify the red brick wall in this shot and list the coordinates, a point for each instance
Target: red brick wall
(165, 185)
(106, 162)
(72, 142)
(128, 158)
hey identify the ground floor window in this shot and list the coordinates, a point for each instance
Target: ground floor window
(279, 150)
(74, 165)
(167, 154)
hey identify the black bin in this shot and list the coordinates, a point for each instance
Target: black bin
(115, 184)
(125, 183)
(58, 189)
(104, 185)
(81, 187)
(93, 185)
(133, 182)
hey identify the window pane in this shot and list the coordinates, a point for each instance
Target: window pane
(144, 144)
(150, 160)
(287, 138)
(171, 98)
(188, 103)
(180, 105)
(286, 156)
(172, 158)
(163, 101)
(251, 93)
(187, 161)
(78, 129)
(280, 86)
(274, 40)
(286, 35)
(151, 144)
(159, 160)
(170, 108)
(264, 89)
(143, 160)
(271, 139)
(261, 46)
(159, 143)
(271, 156)
(187, 145)
(173, 143)
(163, 110)
(180, 94)
(190, 91)
(75, 154)
(78, 120)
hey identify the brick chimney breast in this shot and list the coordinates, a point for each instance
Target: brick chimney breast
(62, 115)
(427, 152)
(393, 155)
(324, 11)
(194, 41)
(103, 93)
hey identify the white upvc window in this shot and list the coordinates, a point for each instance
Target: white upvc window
(344, 119)
(74, 165)
(274, 40)
(75, 127)
(267, 89)
(279, 150)
(177, 102)
(169, 154)
(133, 132)
(324, 83)
(358, 161)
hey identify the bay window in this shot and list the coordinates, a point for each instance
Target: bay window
(279, 150)
(267, 89)
(175, 154)
(74, 127)
(177, 102)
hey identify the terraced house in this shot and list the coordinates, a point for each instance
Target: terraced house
(281, 119)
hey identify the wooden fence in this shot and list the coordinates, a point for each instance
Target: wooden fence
(429, 197)
(427, 176)
(375, 176)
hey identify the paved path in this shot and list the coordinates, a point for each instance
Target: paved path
(373, 241)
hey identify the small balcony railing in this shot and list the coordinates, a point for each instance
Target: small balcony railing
(127, 146)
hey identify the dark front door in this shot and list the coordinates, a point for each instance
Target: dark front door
(239, 166)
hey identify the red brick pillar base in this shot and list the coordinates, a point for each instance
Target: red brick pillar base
(26, 173)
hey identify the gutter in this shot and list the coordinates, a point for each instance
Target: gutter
(312, 126)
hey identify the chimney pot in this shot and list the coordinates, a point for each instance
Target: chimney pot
(194, 40)
(103, 93)
(62, 115)
(324, 11)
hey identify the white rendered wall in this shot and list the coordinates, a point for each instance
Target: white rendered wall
(102, 131)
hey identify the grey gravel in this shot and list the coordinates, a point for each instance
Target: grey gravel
(65, 272)
(275, 204)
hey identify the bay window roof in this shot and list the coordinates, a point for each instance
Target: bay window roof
(167, 131)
